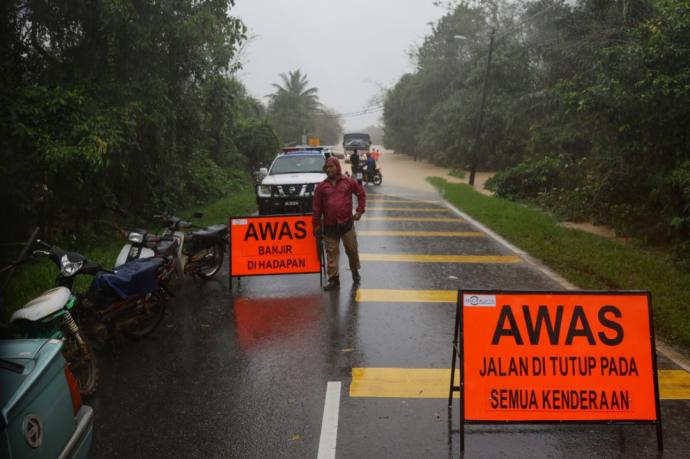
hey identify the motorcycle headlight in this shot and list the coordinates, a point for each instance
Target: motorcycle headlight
(69, 268)
(137, 238)
(265, 190)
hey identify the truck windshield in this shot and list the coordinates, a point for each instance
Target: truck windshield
(297, 164)
(359, 137)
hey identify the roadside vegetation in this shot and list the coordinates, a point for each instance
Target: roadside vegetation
(115, 111)
(589, 261)
(586, 110)
(294, 110)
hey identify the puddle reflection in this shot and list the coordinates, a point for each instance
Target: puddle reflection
(260, 321)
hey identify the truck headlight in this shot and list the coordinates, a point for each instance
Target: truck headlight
(264, 190)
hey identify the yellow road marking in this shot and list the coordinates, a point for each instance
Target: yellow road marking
(409, 209)
(390, 233)
(435, 382)
(674, 384)
(419, 258)
(406, 296)
(412, 219)
(401, 382)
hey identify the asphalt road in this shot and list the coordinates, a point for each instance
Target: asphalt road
(245, 373)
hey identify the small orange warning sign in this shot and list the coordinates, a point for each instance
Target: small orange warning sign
(273, 245)
(558, 356)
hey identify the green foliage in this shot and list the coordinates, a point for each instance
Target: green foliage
(294, 110)
(115, 108)
(531, 179)
(586, 111)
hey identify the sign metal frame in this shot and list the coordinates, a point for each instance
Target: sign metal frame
(459, 352)
(319, 250)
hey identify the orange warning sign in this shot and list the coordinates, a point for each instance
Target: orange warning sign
(558, 356)
(273, 245)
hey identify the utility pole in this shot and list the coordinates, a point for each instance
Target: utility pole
(478, 132)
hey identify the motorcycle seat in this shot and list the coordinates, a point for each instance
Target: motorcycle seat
(48, 303)
(135, 277)
(212, 232)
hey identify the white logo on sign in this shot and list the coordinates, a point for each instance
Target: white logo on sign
(242, 221)
(480, 301)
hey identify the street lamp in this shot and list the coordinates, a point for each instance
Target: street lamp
(475, 148)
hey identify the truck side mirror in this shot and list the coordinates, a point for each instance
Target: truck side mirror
(263, 171)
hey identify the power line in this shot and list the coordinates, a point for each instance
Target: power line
(364, 111)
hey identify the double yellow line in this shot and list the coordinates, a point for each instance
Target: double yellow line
(435, 383)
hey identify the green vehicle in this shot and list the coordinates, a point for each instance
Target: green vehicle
(42, 411)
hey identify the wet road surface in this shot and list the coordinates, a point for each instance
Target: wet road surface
(245, 374)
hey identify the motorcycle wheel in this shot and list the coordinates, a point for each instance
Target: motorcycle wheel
(82, 362)
(377, 179)
(218, 252)
(151, 312)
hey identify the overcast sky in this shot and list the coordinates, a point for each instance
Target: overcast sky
(349, 49)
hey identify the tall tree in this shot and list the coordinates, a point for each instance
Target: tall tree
(113, 105)
(293, 106)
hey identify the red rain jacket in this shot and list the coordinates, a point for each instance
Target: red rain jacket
(335, 201)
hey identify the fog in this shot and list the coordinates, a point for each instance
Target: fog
(350, 50)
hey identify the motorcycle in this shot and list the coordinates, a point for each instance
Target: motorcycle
(51, 315)
(197, 253)
(130, 299)
(376, 178)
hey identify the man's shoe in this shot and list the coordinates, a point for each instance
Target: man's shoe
(356, 278)
(332, 284)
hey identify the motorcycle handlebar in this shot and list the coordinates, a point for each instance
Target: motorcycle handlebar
(44, 244)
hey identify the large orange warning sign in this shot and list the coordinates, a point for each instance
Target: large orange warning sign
(557, 356)
(273, 245)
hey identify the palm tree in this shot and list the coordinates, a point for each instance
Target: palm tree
(292, 106)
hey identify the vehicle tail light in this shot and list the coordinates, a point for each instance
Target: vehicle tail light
(73, 389)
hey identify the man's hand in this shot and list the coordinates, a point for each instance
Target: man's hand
(317, 230)
(356, 216)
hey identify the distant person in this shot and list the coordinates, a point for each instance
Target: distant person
(371, 167)
(333, 200)
(354, 162)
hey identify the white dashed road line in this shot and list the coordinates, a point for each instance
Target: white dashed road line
(329, 425)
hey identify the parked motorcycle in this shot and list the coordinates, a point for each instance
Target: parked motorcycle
(51, 315)
(130, 299)
(197, 253)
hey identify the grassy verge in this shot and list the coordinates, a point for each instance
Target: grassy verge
(589, 261)
(32, 279)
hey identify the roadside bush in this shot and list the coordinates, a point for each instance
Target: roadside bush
(572, 205)
(531, 180)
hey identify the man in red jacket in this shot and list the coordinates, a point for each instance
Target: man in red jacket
(333, 199)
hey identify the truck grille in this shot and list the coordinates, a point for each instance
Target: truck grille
(292, 190)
